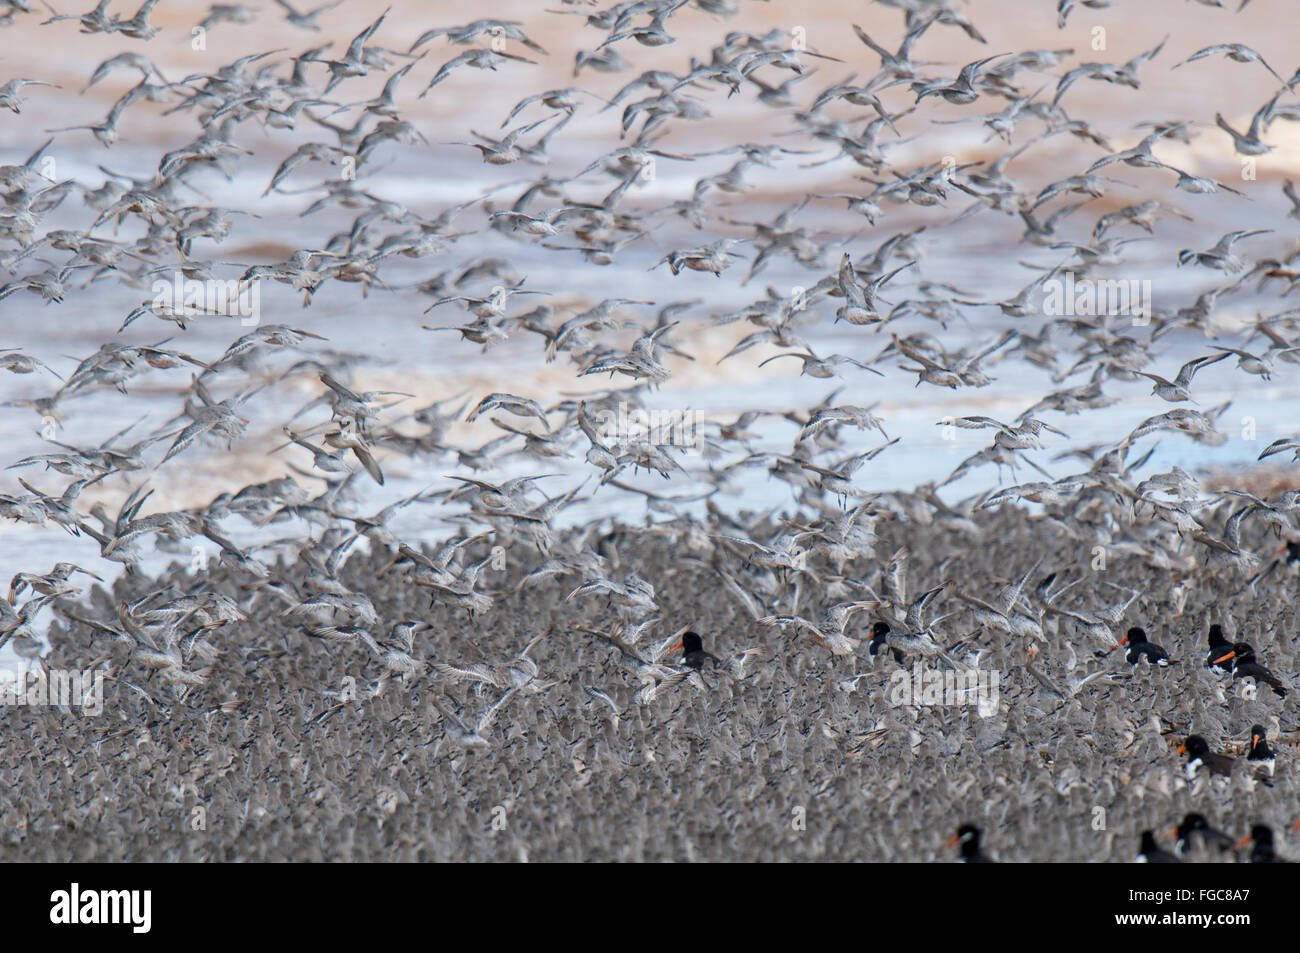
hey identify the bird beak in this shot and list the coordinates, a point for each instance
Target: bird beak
(676, 647)
(1116, 645)
(1224, 658)
(1182, 749)
(1296, 825)
(1280, 550)
(1173, 832)
(957, 837)
(1242, 843)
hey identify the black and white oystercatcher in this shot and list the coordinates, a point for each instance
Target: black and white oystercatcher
(1199, 755)
(1152, 853)
(1244, 665)
(1139, 648)
(1219, 646)
(1260, 755)
(693, 654)
(1263, 851)
(968, 836)
(1194, 826)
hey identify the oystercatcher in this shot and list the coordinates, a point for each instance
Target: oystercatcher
(1219, 646)
(1139, 648)
(1261, 755)
(879, 639)
(1152, 853)
(693, 654)
(1244, 666)
(968, 835)
(1263, 852)
(1195, 825)
(1198, 753)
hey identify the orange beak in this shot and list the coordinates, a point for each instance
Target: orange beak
(1280, 550)
(957, 837)
(1296, 825)
(1242, 843)
(1182, 749)
(1117, 645)
(1224, 658)
(676, 647)
(1173, 832)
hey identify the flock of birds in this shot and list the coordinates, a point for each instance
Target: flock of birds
(356, 690)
